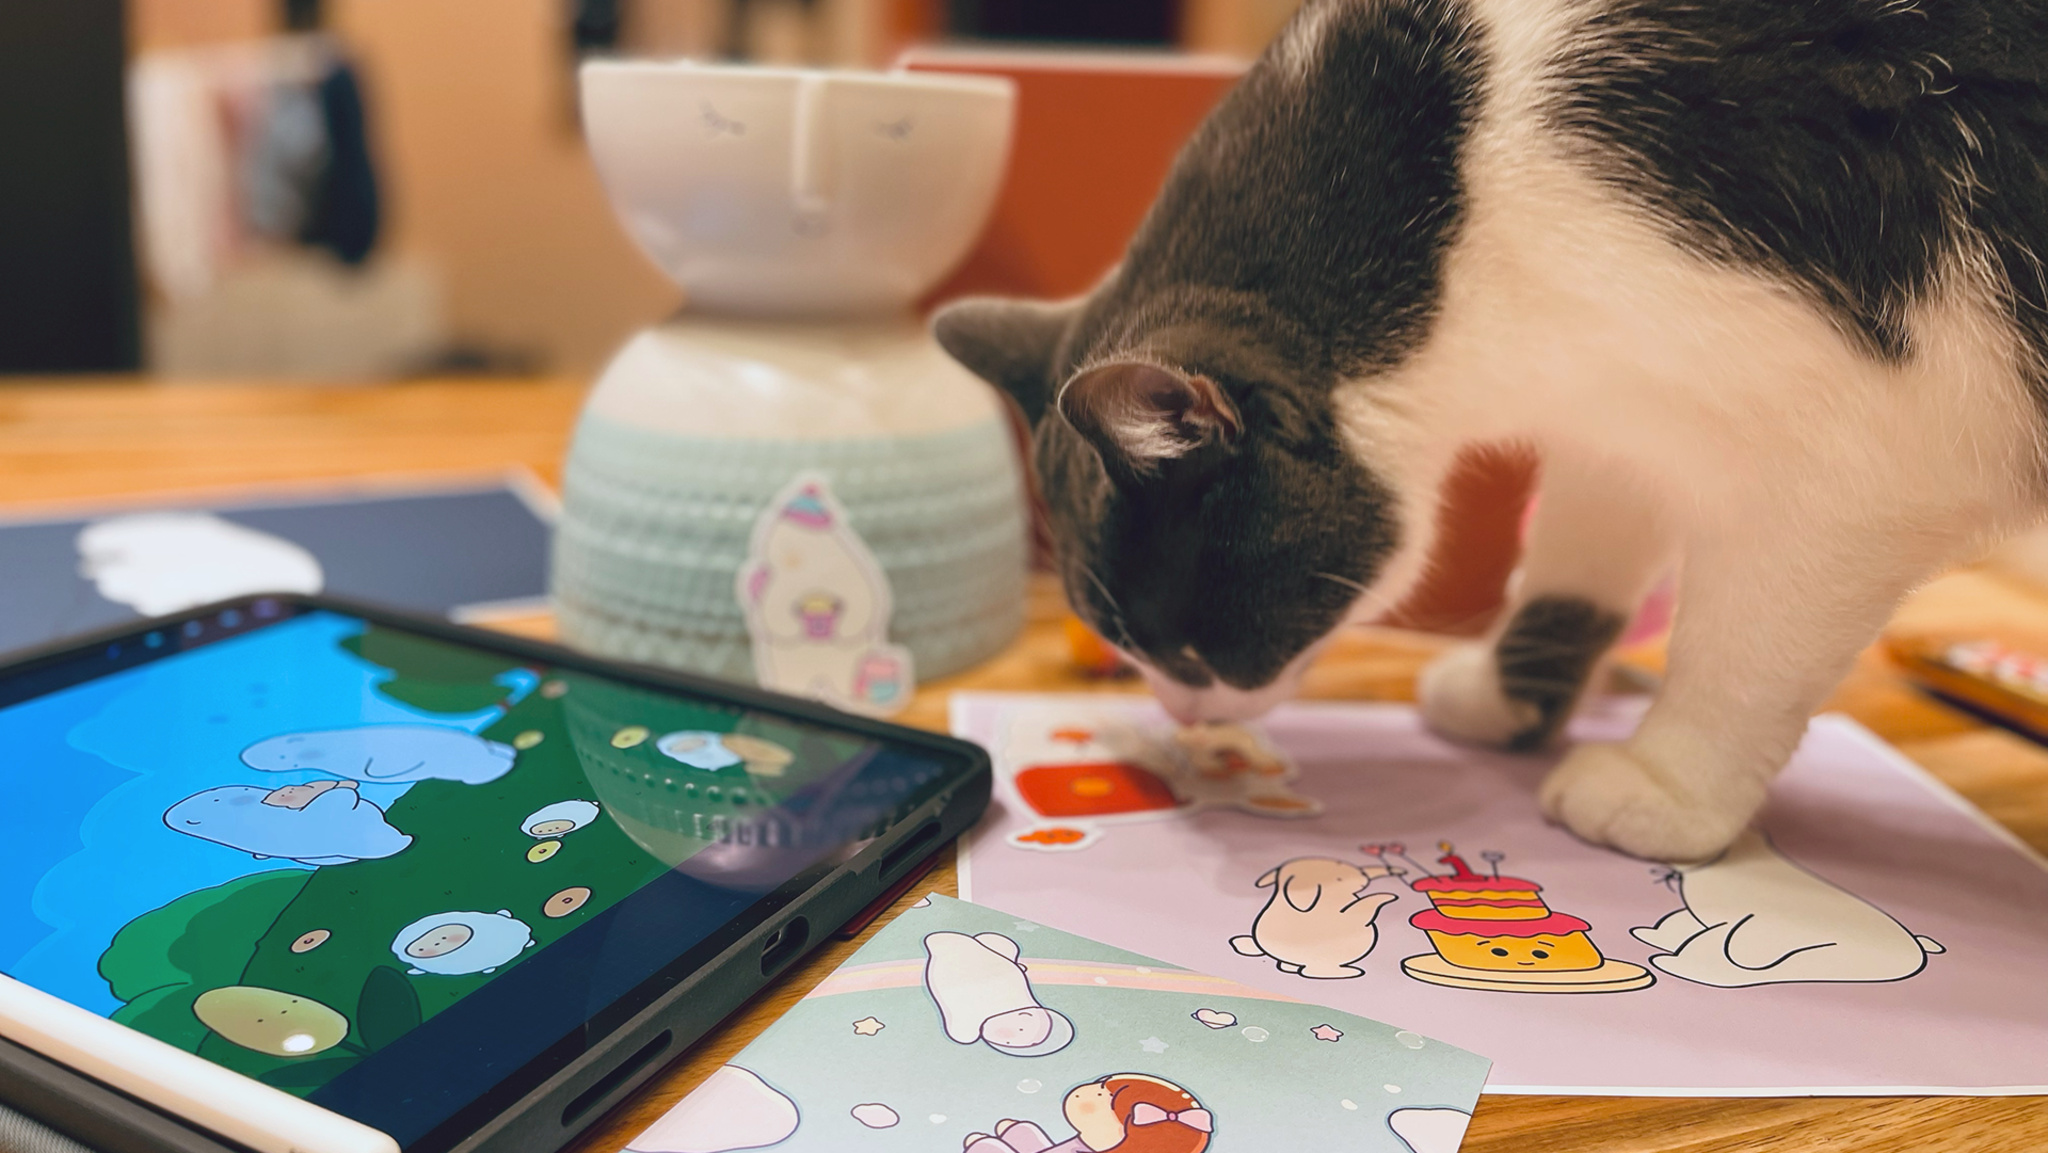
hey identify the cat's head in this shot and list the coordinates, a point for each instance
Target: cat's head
(1208, 517)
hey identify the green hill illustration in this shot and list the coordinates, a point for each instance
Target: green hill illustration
(294, 975)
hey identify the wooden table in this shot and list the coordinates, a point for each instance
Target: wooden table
(92, 440)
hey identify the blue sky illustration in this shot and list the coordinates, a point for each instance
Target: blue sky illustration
(86, 774)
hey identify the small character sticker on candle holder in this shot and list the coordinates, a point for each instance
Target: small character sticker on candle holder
(817, 605)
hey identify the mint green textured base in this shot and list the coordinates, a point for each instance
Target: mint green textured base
(654, 530)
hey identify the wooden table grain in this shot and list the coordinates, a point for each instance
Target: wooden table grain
(62, 443)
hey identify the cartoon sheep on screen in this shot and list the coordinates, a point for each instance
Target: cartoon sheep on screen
(458, 944)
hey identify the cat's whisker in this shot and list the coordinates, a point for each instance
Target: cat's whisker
(1103, 589)
(1122, 639)
(1347, 582)
(1371, 598)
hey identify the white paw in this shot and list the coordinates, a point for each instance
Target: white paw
(1461, 699)
(1606, 795)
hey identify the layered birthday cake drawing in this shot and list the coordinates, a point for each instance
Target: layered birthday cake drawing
(1495, 932)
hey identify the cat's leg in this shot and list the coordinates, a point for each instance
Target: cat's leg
(1771, 612)
(1596, 545)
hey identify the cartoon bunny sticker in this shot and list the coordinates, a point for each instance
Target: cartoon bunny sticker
(1319, 921)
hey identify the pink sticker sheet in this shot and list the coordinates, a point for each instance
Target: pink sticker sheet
(1873, 934)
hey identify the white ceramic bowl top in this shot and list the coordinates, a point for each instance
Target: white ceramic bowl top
(790, 380)
(796, 192)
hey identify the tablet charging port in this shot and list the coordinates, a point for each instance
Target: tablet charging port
(784, 944)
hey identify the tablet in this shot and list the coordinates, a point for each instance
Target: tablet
(302, 875)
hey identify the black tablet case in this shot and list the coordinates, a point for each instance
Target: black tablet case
(569, 1101)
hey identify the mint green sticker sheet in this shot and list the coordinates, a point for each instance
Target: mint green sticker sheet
(959, 1027)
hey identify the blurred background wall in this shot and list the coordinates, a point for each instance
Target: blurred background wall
(485, 241)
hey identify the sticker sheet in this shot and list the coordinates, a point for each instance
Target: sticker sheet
(1873, 933)
(469, 549)
(959, 1027)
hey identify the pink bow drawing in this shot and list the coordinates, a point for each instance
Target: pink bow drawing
(1148, 1114)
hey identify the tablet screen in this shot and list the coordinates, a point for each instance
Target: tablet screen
(335, 855)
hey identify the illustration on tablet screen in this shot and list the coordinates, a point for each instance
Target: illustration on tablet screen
(347, 829)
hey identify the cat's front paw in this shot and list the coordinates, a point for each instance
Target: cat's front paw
(1609, 796)
(1462, 699)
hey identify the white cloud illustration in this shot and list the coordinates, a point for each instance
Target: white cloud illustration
(163, 562)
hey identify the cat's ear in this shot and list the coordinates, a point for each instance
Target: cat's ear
(1140, 415)
(1009, 343)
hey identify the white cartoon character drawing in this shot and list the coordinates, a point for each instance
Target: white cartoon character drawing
(559, 818)
(1236, 766)
(386, 753)
(1753, 917)
(817, 606)
(733, 1109)
(983, 995)
(325, 823)
(1319, 921)
(1430, 1130)
(165, 562)
(455, 944)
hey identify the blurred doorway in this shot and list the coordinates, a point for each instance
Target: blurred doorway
(68, 296)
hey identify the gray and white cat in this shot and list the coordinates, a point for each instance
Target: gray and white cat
(1760, 280)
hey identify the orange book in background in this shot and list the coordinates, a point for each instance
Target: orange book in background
(1096, 133)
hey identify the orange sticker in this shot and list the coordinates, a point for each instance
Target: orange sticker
(1056, 835)
(1094, 789)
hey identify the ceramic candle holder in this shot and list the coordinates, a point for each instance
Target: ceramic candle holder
(802, 212)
